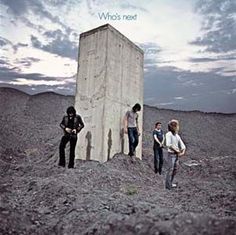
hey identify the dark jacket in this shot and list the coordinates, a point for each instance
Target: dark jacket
(78, 123)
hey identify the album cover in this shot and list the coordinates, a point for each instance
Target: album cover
(117, 117)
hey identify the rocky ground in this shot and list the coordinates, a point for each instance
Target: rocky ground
(119, 196)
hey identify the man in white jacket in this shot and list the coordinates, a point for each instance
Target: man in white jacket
(176, 148)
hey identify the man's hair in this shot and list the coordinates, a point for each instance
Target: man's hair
(157, 123)
(173, 126)
(136, 107)
(71, 109)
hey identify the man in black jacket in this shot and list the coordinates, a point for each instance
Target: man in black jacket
(72, 124)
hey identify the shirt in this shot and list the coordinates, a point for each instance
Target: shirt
(160, 137)
(174, 141)
(71, 122)
(132, 118)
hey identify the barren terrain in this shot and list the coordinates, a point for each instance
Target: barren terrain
(119, 196)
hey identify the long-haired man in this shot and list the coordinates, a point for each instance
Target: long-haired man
(176, 148)
(71, 124)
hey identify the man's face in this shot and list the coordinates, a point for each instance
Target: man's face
(175, 127)
(159, 126)
(71, 114)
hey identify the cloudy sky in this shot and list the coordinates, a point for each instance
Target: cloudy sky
(189, 47)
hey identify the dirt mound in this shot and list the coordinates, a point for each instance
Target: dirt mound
(117, 197)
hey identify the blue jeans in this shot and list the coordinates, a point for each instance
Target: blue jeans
(171, 165)
(133, 139)
(158, 159)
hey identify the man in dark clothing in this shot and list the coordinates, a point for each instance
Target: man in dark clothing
(72, 124)
(158, 137)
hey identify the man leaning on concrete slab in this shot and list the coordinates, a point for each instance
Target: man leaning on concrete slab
(131, 128)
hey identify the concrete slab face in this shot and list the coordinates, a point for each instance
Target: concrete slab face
(109, 83)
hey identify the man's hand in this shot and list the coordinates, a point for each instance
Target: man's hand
(126, 130)
(176, 151)
(181, 153)
(68, 130)
(139, 133)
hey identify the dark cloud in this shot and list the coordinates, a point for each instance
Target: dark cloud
(4, 62)
(35, 42)
(58, 3)
(200, 91)
(54, 34)
(15, 47)
(26, 62)
(217, 58)
(127, 5)
(21, 44)
(151, 53)
(200, 60)
(231, 71)
(11, 74)
(16, 7)
(37, 27)
(59, 44)
(18, 45)
(219, 25)
(21, 8)
(4, 42)
(150, 47)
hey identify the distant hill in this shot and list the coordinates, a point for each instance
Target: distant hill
(28, 115)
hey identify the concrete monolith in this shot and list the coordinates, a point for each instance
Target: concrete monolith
(109, 82)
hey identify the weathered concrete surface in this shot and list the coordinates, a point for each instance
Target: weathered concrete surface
(109, 82)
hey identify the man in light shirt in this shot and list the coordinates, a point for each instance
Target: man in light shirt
(176, 148)
(131, 127)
